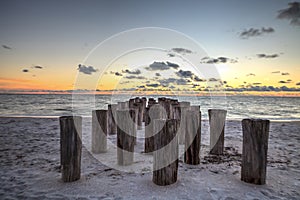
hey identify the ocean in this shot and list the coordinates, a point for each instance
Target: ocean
(238, 107)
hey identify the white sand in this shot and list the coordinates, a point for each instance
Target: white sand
(29, 167)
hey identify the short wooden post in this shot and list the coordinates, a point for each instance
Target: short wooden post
(70, 147)
(193, 138)
(112, 126)
(182, 128)
(125, 137)
(217, 119)
(165, 158)
(153, 112)
(255, 150)
(99, 131)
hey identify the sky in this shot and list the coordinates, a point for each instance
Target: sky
(192, 46)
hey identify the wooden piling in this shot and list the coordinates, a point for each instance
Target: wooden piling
(193, 138)
(165, 158)
(112, 126)
(70, 147)
(125, 137)
(99, 131)
(255, 150)
(217, 119)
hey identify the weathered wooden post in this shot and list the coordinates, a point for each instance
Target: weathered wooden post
(193, 138)
(123, 105)
(195, 108)
(112, 126)
(182, 129)
(125, 137)
(144, 102)
(217, 119)
(255, 150)
(152, 112)
(99, 131)
(139, 107)
(70, 147)
(165, 158)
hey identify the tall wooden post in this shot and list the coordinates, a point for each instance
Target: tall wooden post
(193, 138)
(125, 137)
(144, 103)
(99, 131)
(112, 114)
(70, 147)
(153, 112)
(255, 150)
(165, 158)
(182, 129)
(217, 119)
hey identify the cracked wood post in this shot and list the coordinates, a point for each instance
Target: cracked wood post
(255, 150)
(217, 119)
(70, 147)
(112, 126)
(165, 158)
(99, 131)
(125, 137)
(153, 112)
(193, 138)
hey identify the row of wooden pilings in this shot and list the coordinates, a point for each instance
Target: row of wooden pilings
(168, 123)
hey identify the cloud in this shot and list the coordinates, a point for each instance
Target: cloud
(196, 78)
(161, 66)
(251, 74)
(38, 67)
(136, 72)
(180, 81)
(254, 32)
(135, 77)
(256, 83)
(276, 72)
(155, 85)
(285, 74)
(118, 74)
(86, 70)
(171, 55)
(283, 82)
(292, 13)
(25, 70)
(182, 50)
(262, 88)
(262, 55)
(298, 83)
(157, 74)
(6, 47)
(208, 60)
(184, 74)
(213, 80)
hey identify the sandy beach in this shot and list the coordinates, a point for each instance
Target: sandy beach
(30, 167)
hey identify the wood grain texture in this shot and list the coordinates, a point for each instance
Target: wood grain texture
(70, 147)
(217, 119)
(193, 138)
(125, 137)
(99, 131)
(165, 158)
(255, 150)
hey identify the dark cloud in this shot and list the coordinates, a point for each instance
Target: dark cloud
(25, 70)
(157, 74)
(262, 88)
(196, 78)
(289, 80)
(285, 74)
(171, 54)
(254, 32)
(184, 74)
(213, 80)
(283, 82)
(262, 55)
(38, 67)
(208, 60)
(298, 83)
(292, 13)
(276, 72)
(135, 77)
(155, 85)
(162, 66)
(142, 86)
(180, 81)
(86, 70)
(182, 50)
(256, 83)
(118, 74)
(6, 47)
(136, 72)
(251, 74)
